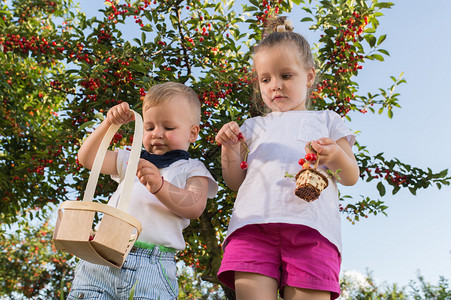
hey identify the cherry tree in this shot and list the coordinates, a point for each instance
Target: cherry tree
(62, 71)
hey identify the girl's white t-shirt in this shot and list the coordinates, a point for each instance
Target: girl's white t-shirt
(159, 225)
(276, 142)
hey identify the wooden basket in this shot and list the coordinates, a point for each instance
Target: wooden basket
(310, 183)
(117, 231)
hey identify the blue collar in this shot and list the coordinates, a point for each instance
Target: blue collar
(165, 160)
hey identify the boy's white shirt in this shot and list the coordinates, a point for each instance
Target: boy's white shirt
(276, 143)
(160, 225)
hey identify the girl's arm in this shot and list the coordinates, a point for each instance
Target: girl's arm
(119, 114)
(232, 154)
(187, 203)
(338, 156)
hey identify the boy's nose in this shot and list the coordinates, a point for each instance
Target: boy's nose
(157, 133)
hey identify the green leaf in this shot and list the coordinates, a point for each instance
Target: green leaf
(384, 52)
(383, 4)
(143, 38)
(378, 57)
(254, 2)
(381, 189)
(86, 124)
(381, 39)
(307, 19)
(390, 113)
(371, 39)
(147, 28)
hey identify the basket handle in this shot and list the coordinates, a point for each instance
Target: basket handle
(132, 166)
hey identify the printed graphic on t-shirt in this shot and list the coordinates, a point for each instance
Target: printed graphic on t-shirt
(309, 131)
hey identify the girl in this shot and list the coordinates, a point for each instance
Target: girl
(275, 240)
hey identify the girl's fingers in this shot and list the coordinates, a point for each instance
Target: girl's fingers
(324, 141)
(229, 133)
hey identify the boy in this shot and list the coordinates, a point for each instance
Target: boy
(172, 189)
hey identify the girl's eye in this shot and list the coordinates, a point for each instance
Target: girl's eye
(149, 128)
(286, 76)
(169, 128)
(265, 80)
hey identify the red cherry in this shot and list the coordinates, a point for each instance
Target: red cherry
(301, 161)
(311, 157)
(240, 136)
(243, 165)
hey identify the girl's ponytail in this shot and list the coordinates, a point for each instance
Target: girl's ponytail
(280, 24)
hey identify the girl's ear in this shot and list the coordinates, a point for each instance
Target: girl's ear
(311, 73)
(194, 133)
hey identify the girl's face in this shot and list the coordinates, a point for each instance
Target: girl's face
(283, 78)
(169, 126)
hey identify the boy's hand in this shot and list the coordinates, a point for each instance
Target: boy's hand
(120, 114)
(229, 134)
(149, 175)
(325, 148)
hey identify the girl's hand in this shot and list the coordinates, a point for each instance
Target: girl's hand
(325, 148)
(337, 156)
(229, 134)
(149, 175)
(120, 114)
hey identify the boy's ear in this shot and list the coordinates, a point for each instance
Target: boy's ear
(194, 133)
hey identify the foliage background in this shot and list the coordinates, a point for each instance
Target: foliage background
(82, 43)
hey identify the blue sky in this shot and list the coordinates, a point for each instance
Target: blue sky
(416, 234)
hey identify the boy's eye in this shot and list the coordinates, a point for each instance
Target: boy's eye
(149, 128)
(265, 80)
(286, 76)
(169, 128)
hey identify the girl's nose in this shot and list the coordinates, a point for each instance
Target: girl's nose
(276, 85)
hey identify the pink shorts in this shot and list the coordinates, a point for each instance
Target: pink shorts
(295, 255)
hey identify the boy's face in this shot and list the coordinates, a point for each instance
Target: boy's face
(169, 126)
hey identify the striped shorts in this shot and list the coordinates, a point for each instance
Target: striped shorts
(153, 272)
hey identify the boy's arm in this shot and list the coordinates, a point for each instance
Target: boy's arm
(118, 114)
(338, 156)
(187, 203)
(88, 151)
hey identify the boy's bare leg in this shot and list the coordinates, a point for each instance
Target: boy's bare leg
(251, 286)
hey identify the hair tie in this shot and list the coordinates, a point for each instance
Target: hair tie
(283, 28)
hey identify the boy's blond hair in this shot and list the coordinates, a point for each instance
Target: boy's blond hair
(162, 92)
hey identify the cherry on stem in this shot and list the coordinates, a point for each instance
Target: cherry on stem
(311, 157)
(243, 164)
